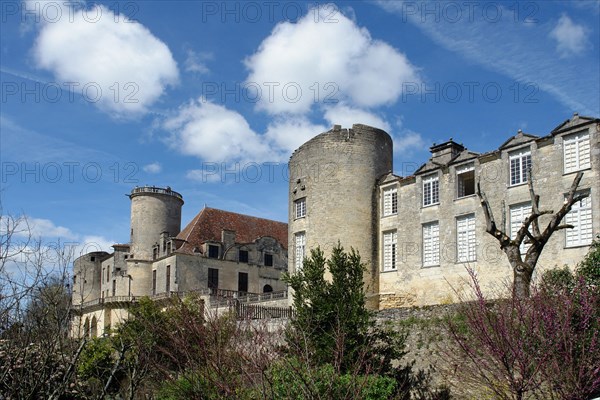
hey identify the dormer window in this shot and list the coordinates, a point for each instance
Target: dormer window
(465, 180)
(431, 190)
(268, 260)
(390, 201)
(213, 251)
(520, 166)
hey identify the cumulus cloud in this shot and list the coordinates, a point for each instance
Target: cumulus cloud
(407, 141)
(214, 133)
(571, 38)
(287, 134)
(153, 168)
(116, 63)
(347, 116)
(316, 61)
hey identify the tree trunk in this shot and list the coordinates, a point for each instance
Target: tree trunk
(522, 279)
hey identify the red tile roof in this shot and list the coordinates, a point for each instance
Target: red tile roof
(209, 223)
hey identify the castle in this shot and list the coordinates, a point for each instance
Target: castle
(416, 234)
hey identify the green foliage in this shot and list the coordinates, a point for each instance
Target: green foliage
(291, 379)
(331, 317)
(589, 268)
(557, 279)
(96, 359)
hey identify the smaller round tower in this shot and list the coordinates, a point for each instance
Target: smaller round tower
(154, 210)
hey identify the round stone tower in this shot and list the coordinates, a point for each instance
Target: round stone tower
(334, 174)
(154, 210)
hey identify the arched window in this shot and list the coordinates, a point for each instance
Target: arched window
(86, 327)
(267, 289)
(94, 327)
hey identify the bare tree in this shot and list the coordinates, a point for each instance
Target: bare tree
(529, 232)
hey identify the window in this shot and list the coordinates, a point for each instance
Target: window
(168, 279)
(268, 260)
(74, 279)
(213, 278)
(577, 151)
(242, 282)
(300, 208)
(431, 190)
(243, 256)
(92, 258)
(518, 213)
(153, 282)
(465, 239)
(267, 289)
(155, 253)
(390, 240)
(213, 251)
(520, 166)
(431, 244)
(300, 250)
(465, 179)
(108, 273)
(168, 247)
(390, 201)
(580, 217)
(114, 287)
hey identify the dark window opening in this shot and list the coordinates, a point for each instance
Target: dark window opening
(153, 282)
(213, 278)
(268, 260)
(267, 289)
(168, 278)
(213, 251)
(155, 253)
(92, 258)
(168, 247)
(466, 183)
(242, 282)
(114, 288)
(243, 256)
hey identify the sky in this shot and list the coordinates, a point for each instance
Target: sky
(211, 98)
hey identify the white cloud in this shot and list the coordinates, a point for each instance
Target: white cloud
(153, 168)
(196, 62)
(407, 141)
(96, 49)
(287, 134)
(570, 38)
(347, 116)
(215, 133)
(316, 61)
(39, 227)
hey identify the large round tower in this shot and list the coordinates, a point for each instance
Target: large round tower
(154, 210)
(333, 195)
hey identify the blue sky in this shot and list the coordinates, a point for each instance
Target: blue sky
(211, 98)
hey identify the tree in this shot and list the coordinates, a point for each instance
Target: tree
(335, 347)
(523, 268)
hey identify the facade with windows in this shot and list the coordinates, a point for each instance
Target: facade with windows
(218, 254)
(418, 234)
(440, 224)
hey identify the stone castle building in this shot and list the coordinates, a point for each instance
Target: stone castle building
(218, 253)
(417, 234)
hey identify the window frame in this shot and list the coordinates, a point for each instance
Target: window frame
(576, 139)
(299, 250)
(462, 170)
(434, 181)
(471, 238)
(435, 244)
(516, 225)
(212, 278)
(577, 225)
(390, 251)
(269, 256)
(520, 155)
(210, 249)
(247, 256)
(300, 208)
(389, 196)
